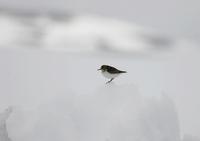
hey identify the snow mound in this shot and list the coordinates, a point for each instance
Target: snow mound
(159, 120)
(110, 113)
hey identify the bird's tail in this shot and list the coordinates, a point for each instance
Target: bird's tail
(123, 72)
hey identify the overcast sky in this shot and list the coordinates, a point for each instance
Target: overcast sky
(175, 17)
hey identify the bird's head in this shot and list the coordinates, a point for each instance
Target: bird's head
(103, 68)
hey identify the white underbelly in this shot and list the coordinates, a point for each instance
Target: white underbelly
(108, 75)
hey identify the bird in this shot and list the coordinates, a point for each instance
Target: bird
(110, 72)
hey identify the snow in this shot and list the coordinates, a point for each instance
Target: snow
(59, 95)
(49, 95)
(111, 112)
(3, 128)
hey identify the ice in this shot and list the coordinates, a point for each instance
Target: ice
(190, 138)
(112, 112)
(3, 127)
(159, 120)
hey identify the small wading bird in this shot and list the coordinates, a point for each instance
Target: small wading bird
(110, 72)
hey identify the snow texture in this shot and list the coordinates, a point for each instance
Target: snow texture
(3, 127)
(112, 112)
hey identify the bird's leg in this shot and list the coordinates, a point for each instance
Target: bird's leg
(110, 80)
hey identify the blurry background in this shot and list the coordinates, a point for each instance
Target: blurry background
(178, 18)
(50, 51)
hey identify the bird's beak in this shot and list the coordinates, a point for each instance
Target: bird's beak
(99, 69)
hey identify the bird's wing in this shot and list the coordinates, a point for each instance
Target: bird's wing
(113, 70)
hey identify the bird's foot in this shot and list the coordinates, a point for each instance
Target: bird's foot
(110, 80)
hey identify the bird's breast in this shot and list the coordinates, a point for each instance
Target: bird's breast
(109, 75)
